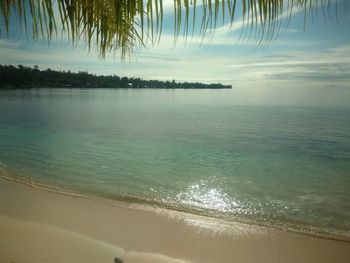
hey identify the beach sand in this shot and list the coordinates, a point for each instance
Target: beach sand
(37, 226)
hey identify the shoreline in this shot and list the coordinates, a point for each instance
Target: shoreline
(137, 235)
(167, 210)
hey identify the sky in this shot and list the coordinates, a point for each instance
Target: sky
(312, 53)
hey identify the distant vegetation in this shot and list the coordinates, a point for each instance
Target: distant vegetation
(22, 77)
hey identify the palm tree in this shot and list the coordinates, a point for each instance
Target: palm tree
(120, 25)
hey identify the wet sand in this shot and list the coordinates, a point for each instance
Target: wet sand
(42, 226)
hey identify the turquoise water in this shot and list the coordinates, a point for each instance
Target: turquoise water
(275, 156)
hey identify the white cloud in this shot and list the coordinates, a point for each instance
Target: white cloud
(328, 66)
(188, 62)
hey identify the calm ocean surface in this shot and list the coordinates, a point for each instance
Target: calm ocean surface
(276, 156)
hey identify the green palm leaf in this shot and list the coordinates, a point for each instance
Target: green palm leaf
(120, 25)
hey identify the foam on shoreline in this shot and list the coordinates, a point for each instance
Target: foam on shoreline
(214, 223)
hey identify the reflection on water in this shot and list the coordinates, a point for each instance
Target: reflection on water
(213, 199)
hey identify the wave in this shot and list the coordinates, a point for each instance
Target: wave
(34, 184)
(212, 220)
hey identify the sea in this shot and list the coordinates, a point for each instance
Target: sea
(274, 156)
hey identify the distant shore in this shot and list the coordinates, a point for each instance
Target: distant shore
(22, 77)
(41, 226)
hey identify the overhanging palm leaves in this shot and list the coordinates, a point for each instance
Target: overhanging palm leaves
(123, 24)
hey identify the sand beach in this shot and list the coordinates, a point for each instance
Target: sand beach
(38, 225)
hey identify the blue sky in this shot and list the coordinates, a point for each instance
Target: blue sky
(314, 55)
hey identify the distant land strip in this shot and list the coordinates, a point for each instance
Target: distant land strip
(22, 77)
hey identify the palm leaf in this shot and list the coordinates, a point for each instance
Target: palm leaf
(120, 25)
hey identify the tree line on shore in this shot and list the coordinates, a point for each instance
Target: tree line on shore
(22, 77)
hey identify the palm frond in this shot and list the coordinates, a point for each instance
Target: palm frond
(120, 25)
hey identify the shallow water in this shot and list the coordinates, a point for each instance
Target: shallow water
(277, 156)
